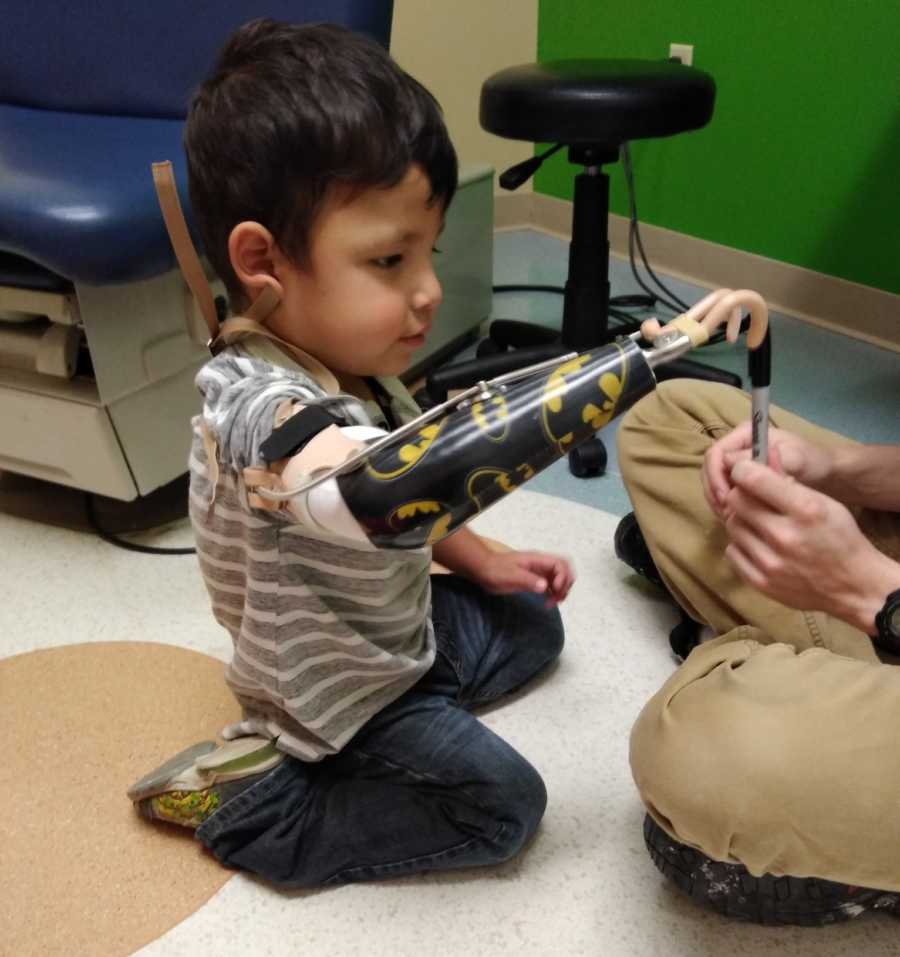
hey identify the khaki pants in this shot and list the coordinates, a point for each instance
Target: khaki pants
(777, 744)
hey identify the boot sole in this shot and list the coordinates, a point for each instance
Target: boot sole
(734, 892)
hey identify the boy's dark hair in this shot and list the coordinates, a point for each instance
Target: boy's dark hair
(290, 111)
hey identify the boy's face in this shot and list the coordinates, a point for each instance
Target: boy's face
(368, 297)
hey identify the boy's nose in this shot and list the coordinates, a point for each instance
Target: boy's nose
(428, 294)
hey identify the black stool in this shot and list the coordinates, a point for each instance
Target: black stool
(592, 107)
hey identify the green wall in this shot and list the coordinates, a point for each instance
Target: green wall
(801, 160)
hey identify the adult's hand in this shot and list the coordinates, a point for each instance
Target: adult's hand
(802, 548)
(788, 455)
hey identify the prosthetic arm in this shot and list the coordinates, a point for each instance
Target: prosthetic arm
(414, 486)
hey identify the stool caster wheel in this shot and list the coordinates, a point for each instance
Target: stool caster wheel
(588, 459)
(487, 347)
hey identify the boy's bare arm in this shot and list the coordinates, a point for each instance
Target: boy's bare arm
(462, 552)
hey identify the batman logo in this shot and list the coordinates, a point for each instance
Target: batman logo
(389, 464)
(565, 406)
(484, 486)
(413, 513)
(492, 417)
(611, 385)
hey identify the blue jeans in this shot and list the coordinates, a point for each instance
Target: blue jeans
(424, 785)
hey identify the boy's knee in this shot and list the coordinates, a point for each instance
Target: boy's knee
(521, 802)
(554, 634)
(542, 633)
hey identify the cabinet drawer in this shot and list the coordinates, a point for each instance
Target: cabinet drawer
(68, 440)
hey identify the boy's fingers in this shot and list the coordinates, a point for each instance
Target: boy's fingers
(527, 580)
(563, 575)
(532, 581)
(546, 574)
(523, 580)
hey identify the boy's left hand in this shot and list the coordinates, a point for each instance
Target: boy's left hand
(514, 571)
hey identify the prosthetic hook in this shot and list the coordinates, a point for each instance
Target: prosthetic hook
(427, 479)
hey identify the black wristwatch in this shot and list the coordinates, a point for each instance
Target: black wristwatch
(887, 621)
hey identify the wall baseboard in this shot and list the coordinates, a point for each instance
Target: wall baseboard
(839, 305)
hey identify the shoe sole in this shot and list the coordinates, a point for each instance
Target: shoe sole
(734, 892)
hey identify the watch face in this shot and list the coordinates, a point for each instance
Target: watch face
(893, 620)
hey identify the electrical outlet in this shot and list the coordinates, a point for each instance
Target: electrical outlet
(683, 51)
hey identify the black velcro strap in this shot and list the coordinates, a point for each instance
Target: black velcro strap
(293, 434)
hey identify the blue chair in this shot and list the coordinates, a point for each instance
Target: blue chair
(96, 363)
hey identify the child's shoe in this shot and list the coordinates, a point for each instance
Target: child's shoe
(193, 785)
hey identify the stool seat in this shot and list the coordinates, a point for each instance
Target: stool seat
(602, 102)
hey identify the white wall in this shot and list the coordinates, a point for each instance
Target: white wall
(452, 46)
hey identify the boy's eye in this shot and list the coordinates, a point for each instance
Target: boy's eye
(388, 262)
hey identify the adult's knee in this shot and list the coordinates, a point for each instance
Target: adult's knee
(676, 406)
(711, 766)
(653, 409)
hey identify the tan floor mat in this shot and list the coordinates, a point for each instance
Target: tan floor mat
(80, 872)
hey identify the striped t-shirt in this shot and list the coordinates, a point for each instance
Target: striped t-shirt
(326, 631)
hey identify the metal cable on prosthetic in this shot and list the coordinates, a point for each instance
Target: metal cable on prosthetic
(414, 486)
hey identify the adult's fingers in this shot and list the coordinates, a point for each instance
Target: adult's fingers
(780, 492)
(716, 473)
(745, 567)
(756, 541)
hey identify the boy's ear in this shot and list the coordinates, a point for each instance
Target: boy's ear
(253, 252)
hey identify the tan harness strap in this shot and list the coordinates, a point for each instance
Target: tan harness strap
(191, 268)
(236, 327)
(185, 253)
(255, 477)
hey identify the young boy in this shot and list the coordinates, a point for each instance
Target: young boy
(320, 174)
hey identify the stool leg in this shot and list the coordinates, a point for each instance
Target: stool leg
(586, 304)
